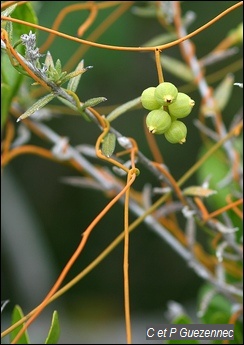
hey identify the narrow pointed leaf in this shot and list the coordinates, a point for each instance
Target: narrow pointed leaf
(123, 108)
(92, 102)
(58, 67)
(54, 331)
(72, 75)
(74, 81)
(177, 68)
(108, 144)
(16, 316)
(75, 108)
(8, 10)
(49, 60)
(223, 91)
(198, 191)
(37, 106)
(146, 12)
(161, 39)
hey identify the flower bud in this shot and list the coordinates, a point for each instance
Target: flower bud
(176, 132)
(148, 100)
(182, 106)
(166, 93)
(158, 121)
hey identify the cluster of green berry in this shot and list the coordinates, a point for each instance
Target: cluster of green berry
(167, 106)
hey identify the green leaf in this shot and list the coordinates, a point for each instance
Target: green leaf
(26, 13)
(160, 39)
(8, 10)
(16, 316)
(215, 169)
(58, 67)
(148, 11)
(182, 319)
(36, 106)
(108, 144)
(49, 61)
(222, 92)
(11, 81)
(177, 68)
(92, 102)
(5, 102)
(123, 109)
(10, 77)
(74, 77)
(219, 308)
(54, 331)
(198, 191)
(74, 82)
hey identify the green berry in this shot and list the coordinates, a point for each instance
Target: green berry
(148, 100)
(158, 121)
(166, 93)
(182, 106)
(176, 132)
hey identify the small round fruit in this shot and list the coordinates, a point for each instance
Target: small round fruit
(158, 121)
(182, 106)
(176, 133)
(148, 100)
(166, 93)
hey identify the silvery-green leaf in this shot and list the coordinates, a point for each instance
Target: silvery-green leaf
(58, 67)
(123, 108)
(92, 102)
(8, 10)
(74, 107)
(75, 74)
(198, 191)
(222, 92)
(147, 12)
(36, 106)
(160, 39)
(74, 82)
(49, 60)
(177, 68)
(108, 144)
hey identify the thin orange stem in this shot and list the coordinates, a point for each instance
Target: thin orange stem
(132, 49)
(11, 51)
(8, 137)
(159, 66)
(27, 149)
(172, 181)
(72, 260)
(237, 211)
(106, 126)
(151, 140)
(71, 8)
(131, 177)
(201, 207)
(224, 209)
(10, 3)
(117, 13)
(89, 20)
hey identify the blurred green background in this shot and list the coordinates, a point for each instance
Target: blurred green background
(43, 218)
